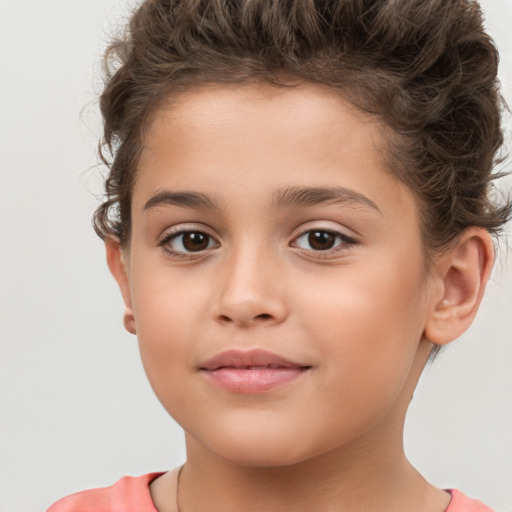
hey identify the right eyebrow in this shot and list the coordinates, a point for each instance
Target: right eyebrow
(184, 199)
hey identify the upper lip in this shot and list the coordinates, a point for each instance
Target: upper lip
(240, 359)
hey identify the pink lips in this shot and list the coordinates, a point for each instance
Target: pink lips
(253, 371)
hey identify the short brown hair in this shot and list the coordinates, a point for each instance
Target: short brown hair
(425, 67)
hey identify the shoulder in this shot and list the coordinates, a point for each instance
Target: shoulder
(126, 495)
(461, 503)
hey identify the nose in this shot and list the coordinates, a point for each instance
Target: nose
(250, 292)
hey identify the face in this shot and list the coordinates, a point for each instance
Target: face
(275, 274)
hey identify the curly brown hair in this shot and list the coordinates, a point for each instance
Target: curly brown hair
(427, 68)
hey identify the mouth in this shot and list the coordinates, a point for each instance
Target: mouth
(253, 371)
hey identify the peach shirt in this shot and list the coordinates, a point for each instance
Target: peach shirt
(131, 494)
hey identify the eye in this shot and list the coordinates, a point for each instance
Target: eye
(186, 242)
(322, 240)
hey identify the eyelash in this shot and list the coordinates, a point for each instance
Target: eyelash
(165, 243)
(342, 243)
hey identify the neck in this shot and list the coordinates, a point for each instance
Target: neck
(356, 479)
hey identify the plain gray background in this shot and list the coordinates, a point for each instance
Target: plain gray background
(75, 408)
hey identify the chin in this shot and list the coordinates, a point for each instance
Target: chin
(259, 447)
(262, 456)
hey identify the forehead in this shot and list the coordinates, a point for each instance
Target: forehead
(264, 137)
(305, 113)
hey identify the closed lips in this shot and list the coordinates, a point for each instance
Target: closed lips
(255, 371)
(251, 360)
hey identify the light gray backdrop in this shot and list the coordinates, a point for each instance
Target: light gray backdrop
(75, 409)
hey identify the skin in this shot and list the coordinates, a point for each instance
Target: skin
(361, 314)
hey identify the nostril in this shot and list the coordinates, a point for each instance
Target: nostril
(262, 317)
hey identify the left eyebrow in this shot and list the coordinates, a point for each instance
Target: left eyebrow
(311, 196)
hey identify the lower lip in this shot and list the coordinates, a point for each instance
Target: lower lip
(258, 380)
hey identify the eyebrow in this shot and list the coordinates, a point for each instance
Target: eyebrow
(184, 199)
(285, 198)
(311, 196)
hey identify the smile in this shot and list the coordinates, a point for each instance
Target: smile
(255, 371)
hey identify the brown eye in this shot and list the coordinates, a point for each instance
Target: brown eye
(187, 242)
(195, 241)
(322, 240)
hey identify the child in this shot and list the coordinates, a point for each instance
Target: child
(298, 217)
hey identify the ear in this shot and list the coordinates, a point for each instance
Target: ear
(462, 273)
(118, 267)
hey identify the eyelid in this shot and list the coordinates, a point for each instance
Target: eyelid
(329, 226)
(340, 234)
(185, 227)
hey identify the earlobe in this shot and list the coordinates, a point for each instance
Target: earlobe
(118, 267)
(463, 273)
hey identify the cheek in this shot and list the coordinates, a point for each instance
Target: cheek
(167, 331)
(166, 304)
(361, 299)
(367, 325)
